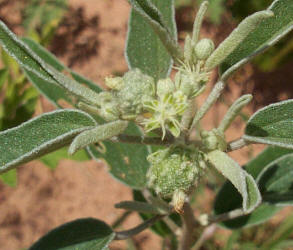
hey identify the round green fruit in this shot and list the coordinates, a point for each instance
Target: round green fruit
(173, 170)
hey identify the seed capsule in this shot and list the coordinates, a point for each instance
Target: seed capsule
(174, 172)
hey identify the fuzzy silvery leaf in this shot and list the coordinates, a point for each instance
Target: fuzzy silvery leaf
(152, 37)
(54, 93)
(81, 234)
(236, 38)
(228, 198)
(97, 134)
(119, 151)
(267, 33)
(40, 136)
(241, 180)
(198, 22)
(127, 162)
(33, 63)
(272, 125)
(275, 181)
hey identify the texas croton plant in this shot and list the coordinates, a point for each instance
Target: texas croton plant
(145, 124)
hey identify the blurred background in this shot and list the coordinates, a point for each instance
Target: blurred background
(90, 36)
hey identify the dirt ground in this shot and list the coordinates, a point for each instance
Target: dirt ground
(45, 199)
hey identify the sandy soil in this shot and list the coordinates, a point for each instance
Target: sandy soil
(45, 199)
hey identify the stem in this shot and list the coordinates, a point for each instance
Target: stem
(233, 111)
(142, 140)
(237, 144)
(121, 219)
(189, 226)
(176, 230)
(226, 216)
(138, 229)
(213, 96)
(206, 234)
(187, 116)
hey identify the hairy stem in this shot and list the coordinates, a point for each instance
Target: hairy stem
(138, 229)
(213, 96)
(226, 216)
(176, 230)
(233, 111)
(143, 140)
(187, 116)
(189, 226)
(121, 219)
(237, 144)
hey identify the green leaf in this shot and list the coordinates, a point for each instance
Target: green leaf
(52, 160)
(3, 76)
(268, 155)
(236, 37)
(9, 178)
(144, 48)
(275, 181)
(228, 198)
(127, 162)
(138, 206)
(120, 152)
(272, 125)
(81, 234)
(54, 93)
(33, 63)
(268, 32)
(241, 180)
(97, 134)
(40, 136)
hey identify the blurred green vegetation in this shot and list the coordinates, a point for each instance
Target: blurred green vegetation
(18, 98)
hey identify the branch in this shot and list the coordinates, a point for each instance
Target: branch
(142, 140)
(176, 230)
(121, 219)
(238, 144)
(138, 229)
(226, 216)
(189, 226)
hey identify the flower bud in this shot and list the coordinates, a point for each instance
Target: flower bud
(214, 139)
(165, 86)
(137, 89)
(115, 83)
(204, 48)
(108, 106)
